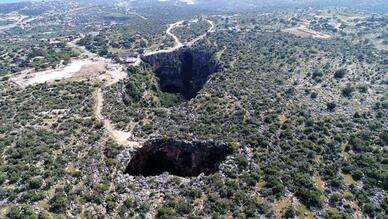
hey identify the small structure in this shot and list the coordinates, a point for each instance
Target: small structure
(234, 29)
(128, 58)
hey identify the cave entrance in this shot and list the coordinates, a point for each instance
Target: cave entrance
(183, 72)
(178, 158)
(187, 76)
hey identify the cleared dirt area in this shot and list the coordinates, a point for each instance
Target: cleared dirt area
(304, 31)
(99, 68)
(280, 206)
(25, 79)
(189, 2)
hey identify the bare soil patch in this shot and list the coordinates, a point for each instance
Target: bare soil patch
(304, 31)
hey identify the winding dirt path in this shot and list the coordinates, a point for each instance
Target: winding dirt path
(210, 30)
(212, 26)
(121, 137)
(178, 43)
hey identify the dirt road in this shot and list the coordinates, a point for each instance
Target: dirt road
(177, 45)
(210, 30)
(121, 137)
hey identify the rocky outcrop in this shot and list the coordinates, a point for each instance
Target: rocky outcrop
(179, 158)
(184, 71)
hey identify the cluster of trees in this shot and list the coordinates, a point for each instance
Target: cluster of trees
(96, 44)
(31, 167)
(190, 30)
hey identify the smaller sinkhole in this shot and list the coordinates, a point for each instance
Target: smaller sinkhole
(178, 158)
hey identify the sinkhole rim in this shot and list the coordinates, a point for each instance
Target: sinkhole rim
(185, 71)
(178, 158)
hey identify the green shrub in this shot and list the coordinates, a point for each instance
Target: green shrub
(58, 203)
(34, 196)
(370, 210)
(339, 73)
(22, 212)
(347, 91)
(242, 162)
(275, 184)
(166, 213)
(310, 197)
(233, 146)
(3, 177)
(289, 213)
(331, 106)
(357, 174)
(35, 183)
(170, 99)
(335, 198)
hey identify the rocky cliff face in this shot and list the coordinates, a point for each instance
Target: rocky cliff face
(184, 71)
(179, 158)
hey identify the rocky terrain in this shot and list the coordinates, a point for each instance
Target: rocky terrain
(184, 71)
(219, 112)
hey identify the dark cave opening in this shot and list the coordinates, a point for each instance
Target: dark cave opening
(184, 71)
(178, 158)
(187, 75)
(171, 89)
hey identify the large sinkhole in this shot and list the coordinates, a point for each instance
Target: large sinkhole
(178, 158)
(184, 71)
